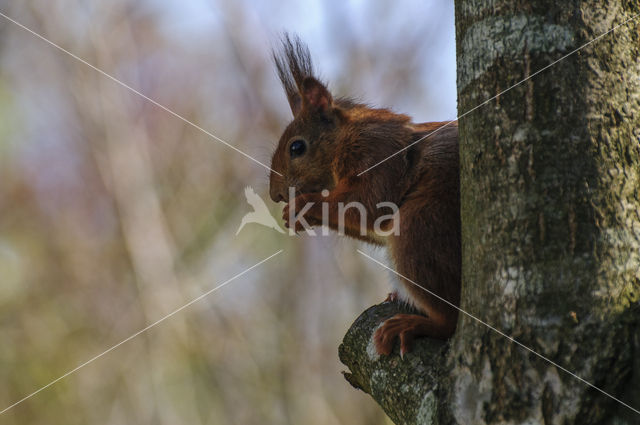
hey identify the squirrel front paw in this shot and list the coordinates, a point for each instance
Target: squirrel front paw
(306, 212)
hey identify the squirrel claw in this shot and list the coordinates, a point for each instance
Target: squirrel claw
(391, 297)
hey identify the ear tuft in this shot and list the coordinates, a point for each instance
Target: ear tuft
(293, 64)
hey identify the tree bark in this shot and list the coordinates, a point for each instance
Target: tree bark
(406, 388)
(550, 187)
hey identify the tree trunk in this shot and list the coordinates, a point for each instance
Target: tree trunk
(550, 175)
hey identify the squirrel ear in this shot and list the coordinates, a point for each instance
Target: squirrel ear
(315, 96)
(295, 102)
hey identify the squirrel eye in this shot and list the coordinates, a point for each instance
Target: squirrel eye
(297, 148)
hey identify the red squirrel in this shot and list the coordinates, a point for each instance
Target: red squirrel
(327, 146)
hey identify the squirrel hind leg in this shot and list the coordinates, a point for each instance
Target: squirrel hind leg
(406, 327)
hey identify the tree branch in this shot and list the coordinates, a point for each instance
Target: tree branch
(406, 388)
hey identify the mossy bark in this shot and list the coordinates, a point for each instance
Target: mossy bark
(550, 175)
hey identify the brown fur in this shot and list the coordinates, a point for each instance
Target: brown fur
(345, 138)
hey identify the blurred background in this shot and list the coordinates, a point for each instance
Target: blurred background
(113, 212)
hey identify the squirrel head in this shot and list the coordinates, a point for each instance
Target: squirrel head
(311, 151)
(307, 147)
